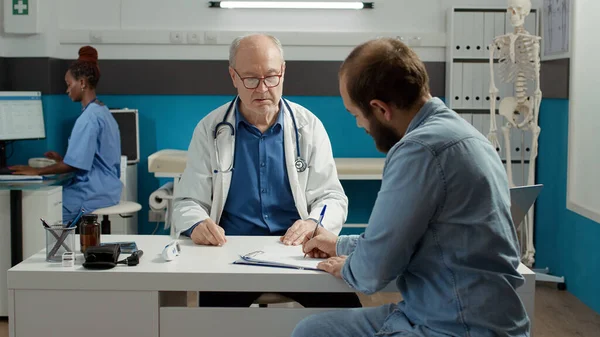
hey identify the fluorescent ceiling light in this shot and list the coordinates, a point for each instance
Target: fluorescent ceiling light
(292, 4)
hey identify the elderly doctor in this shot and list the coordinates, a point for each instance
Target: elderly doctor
(259, 165)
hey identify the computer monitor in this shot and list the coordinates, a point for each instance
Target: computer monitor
(127, 119)
(21, 117)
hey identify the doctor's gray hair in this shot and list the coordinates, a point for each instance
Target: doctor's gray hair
(233, 48)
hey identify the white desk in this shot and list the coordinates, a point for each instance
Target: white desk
(131, 301)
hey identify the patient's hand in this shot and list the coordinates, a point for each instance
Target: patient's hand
(333, 265)
(54, 156)
(299, 231)
(323, 245)
(208, 233)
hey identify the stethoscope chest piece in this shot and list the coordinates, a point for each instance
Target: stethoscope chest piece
(300, 164)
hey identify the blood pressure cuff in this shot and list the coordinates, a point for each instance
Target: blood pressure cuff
(102, 257)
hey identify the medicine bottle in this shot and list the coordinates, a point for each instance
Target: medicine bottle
(89, 232)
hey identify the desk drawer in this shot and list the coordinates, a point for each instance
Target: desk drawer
(227, 322)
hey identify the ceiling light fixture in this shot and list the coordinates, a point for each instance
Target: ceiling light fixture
(291, 4)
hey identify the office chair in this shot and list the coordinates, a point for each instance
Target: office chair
(124, 208)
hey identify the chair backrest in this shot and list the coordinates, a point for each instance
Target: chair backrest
(522, 198)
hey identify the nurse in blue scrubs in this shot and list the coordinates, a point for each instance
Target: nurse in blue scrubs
(94, 150)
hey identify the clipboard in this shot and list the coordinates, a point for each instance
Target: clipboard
(290, 257)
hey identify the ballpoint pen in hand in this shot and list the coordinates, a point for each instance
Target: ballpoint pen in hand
(318, 224)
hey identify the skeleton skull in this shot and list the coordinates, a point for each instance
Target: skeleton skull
(518, 10)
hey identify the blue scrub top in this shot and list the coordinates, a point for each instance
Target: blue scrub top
(95, 151)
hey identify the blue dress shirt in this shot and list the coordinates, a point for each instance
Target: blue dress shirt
(95, 151)
(260, 200)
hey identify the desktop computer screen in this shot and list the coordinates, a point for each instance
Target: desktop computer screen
(21, 115)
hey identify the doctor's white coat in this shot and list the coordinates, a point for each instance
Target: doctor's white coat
(201, 193)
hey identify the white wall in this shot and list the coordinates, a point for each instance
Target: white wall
(35, 45)
(2, 46)
(124, 25)
(583, 188)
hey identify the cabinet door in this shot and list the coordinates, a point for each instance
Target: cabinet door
(43, 203)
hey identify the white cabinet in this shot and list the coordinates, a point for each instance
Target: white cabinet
(45, 202)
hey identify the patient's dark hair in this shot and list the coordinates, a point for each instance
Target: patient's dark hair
(384, 69)
(86, 66)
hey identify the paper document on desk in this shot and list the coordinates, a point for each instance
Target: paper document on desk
(280, 255)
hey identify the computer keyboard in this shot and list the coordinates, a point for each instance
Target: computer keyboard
(5, 170)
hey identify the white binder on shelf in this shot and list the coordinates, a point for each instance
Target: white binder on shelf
(467, 85)
(485, 82)
(461, 27)
(478, 122)
(457, 90)
(500, 24)
(477, 26)
(528, 140)
(485, 124)
(478, 98)
(489, 26)
(530, 23)
(467, 116)
(517, 144)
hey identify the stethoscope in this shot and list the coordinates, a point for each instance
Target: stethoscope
(299, 163)
(87, 105)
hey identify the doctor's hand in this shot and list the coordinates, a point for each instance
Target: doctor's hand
(333, 265)
(208, 233)
(323, 245)
(24, 170)
(299, 231)
(54, 156)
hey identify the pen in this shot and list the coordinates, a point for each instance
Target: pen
(44, 223)
(318, 223)
(76, 220)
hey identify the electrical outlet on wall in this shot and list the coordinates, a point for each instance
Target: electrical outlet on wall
(176, 37)
(210, 37)
(194, 38)
(156, 216)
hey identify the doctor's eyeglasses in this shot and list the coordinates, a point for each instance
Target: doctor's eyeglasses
(253, 82)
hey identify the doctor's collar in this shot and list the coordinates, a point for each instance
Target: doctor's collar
(239, 118)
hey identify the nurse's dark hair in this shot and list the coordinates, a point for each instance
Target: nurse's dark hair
(385, 69)
(86, 66)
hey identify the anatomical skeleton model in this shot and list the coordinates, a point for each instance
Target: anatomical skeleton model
(519, 62)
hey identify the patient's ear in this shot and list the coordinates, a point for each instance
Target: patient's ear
(381, 110)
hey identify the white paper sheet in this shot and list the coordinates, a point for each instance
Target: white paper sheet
(282, 255)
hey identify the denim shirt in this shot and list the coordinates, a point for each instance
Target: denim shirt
(442, 229)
